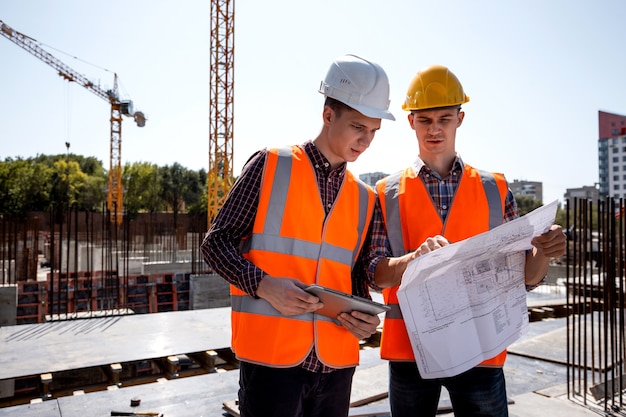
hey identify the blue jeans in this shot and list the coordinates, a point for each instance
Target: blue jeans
(293, 392)
(477, 392)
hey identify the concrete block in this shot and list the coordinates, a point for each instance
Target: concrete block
(8, 305)
(208, 291)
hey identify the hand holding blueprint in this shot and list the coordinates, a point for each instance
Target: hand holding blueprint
(466, 302)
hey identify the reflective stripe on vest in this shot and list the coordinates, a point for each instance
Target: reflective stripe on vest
(478, 205)
(496, 208)
(271, 240)
(394, 229)
(251, 305)
(322, 249)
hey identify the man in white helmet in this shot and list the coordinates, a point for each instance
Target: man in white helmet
(295, 217)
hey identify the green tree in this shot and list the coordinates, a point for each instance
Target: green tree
(526, 204)
(93, 196)
(142, 184)
(37, 184)
(196, 196)
(88, 193)
(561, 217)
(68, 183)
(24, 186)
(181, 188)
(172, 185)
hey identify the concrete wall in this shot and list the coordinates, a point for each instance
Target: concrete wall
(208, 291)
(8, 305)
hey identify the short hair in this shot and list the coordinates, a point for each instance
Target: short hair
(337, 106)
(453, 107)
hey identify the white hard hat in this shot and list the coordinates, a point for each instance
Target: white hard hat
(360, 84)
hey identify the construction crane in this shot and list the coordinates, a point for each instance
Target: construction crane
(119, 108)
(220, 174)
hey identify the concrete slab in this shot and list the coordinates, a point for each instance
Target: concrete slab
(535, 385)
(536, 405)
(45, 408)
(200, 395)
(552, 345)
(33, 349)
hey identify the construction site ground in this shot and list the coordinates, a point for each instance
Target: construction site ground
(536, 369)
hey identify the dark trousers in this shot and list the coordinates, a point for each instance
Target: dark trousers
(293, 392)
(479, 392)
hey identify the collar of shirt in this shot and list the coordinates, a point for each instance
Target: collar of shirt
(320, 162)
(422, 169)
(441, 190)
(328, 180)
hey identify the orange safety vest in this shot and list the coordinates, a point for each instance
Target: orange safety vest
(293, 237)
(410, 218)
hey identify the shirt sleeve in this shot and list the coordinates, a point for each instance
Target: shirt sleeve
(510, 208)
(376, 247)
(234, 221)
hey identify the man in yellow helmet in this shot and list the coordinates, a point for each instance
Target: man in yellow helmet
(295, 217)
(440, 199)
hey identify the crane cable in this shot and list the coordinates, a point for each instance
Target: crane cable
(68, 111)
(120, 85)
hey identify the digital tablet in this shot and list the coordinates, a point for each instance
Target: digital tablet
(336, 302)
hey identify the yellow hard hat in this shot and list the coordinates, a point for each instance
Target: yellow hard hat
(433, 87)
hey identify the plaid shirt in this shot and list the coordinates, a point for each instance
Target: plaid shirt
(235, 220)
(442, 192)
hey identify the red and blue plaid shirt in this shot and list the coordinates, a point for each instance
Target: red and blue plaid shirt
(441, 191)
(220, 248)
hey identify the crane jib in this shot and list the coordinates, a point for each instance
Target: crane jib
(118, 108)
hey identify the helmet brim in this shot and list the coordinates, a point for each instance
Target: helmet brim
(372, 112)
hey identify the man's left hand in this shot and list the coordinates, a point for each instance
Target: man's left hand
(361, 325)
(551, 244)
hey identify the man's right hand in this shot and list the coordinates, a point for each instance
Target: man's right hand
(431, 244)
(389, 271)
(287, 296)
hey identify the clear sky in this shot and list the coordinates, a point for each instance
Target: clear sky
(537, 73)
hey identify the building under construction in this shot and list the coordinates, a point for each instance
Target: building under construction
(97, 318)
(100, 315)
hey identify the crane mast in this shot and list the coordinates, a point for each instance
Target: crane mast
(220, 173)
(118, 108)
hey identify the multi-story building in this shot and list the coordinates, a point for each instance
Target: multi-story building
(587, 192)
(532, 189)
(612, 155)
(370, 178)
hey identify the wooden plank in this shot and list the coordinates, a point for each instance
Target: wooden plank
(358, 411)
(374, 410)
(232, 408)
(34, 349)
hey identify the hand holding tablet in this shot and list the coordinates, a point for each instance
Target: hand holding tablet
(336, 302)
